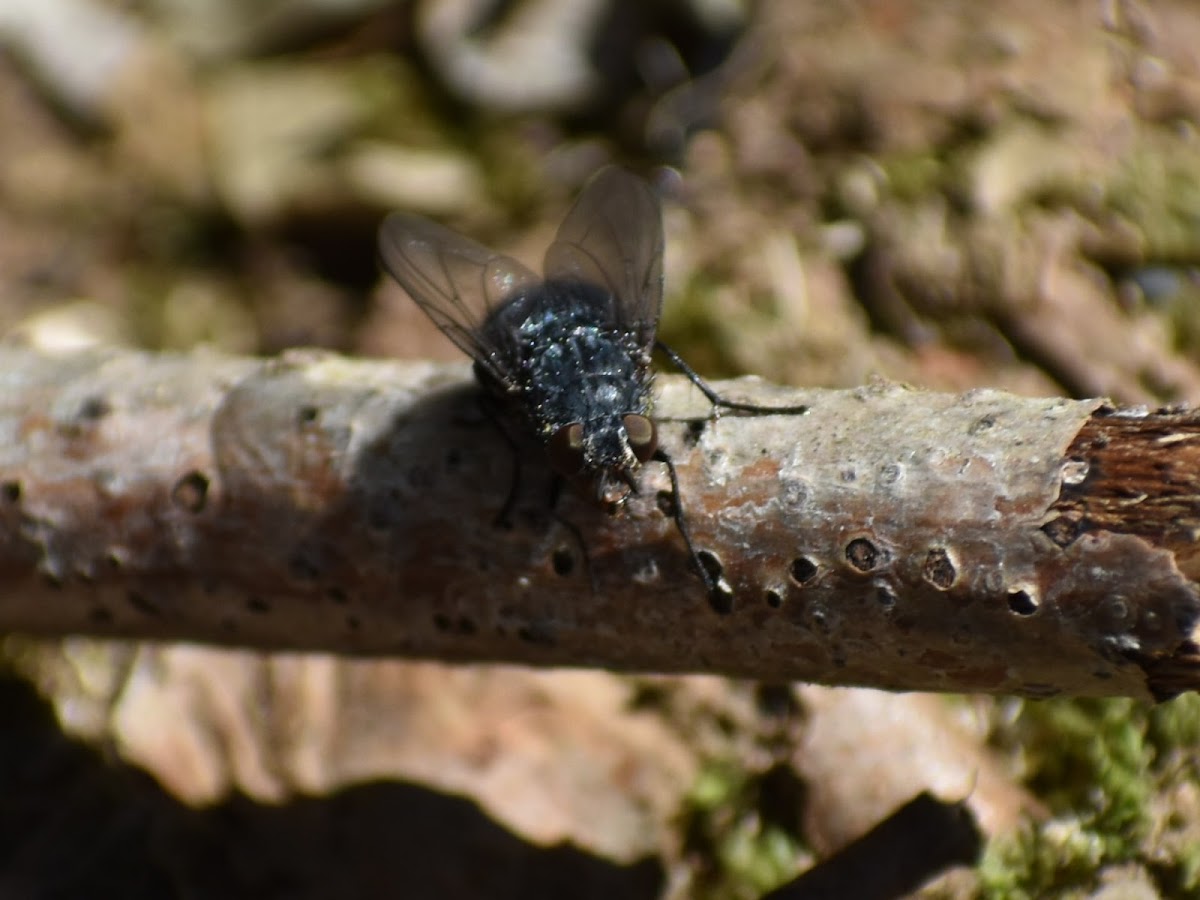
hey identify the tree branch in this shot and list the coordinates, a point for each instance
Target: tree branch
(889, 537)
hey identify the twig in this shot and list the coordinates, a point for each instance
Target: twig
(888, 537)
(921, 839)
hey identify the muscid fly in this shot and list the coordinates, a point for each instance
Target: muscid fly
(568, 355)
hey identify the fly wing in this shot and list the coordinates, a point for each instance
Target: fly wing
(613, 238)
(457, 281)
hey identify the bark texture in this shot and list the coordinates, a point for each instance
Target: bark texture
(888, 537)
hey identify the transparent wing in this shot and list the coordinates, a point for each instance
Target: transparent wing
(457, 281)
(613, 237)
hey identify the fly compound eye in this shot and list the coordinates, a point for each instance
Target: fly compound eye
(565, 450)
(643, 436)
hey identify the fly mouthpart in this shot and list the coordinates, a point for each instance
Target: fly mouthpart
(613, 489)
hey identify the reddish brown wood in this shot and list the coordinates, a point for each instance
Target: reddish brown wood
(1135, 472)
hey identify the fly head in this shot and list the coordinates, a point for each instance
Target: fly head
(601, 458)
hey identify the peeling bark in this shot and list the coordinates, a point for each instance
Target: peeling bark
(889, 537)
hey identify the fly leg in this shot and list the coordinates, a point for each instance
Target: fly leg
(720, 595)
(556, 486)
(504, 517)
(716, 399)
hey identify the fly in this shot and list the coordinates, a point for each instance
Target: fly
(566, 355)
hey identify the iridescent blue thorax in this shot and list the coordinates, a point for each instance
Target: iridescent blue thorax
(572, 363)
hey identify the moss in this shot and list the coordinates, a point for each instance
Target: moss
(738, 853)
(399, 104)
(693, 327)
(1174, 725)
(1049, 860)
(1157, 189)
(711, 327)
(913, 177)
(1103, 767)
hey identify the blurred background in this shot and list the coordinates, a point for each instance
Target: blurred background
(949, 194)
